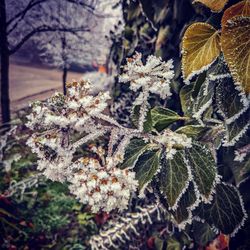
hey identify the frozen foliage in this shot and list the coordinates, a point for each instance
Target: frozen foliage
(98, 183)
(120, 231)
(154, 76)
(175, 168)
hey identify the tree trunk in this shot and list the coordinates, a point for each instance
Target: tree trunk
(64, 79)
(4, 52)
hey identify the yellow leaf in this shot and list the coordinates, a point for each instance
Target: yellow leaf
(214, 5)
(240, 9)
(200, 47)
(235, 45)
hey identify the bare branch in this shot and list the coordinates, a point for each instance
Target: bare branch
(45, 28)
(20, 15)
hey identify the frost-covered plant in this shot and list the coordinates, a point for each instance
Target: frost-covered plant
(164, 157)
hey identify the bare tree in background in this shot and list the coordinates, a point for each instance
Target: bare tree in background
(22, 20)
(62, 50)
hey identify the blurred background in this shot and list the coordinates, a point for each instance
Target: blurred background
(51, 42)
(43, 45)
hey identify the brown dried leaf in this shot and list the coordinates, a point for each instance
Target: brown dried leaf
(200, 47)
(240, 9)
(235, 45)
(214, 5)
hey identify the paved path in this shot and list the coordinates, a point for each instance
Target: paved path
(30, 83)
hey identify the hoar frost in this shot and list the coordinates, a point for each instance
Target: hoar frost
(154, 76)
(173, 141)
(74, 110)
(103, 188)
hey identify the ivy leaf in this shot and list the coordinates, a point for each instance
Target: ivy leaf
(230, 101)
(186, 99)
(240, 9)
(235, 130)
(214, 5)
(174, 178)
(198, 83)
(193, 131)
(204, 98)
(203, 233)
(226, 212)
(162, 117)
(236, 49)
(187, 203)
(203, 168)
(146, 167)
(135, 148)
(147, 126)
(200, 48)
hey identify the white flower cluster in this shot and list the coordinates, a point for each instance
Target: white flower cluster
(173, 141)
(103, 188)
(74, 110)
(54, 159)
(155, 76)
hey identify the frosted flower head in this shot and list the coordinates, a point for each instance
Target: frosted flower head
(155, 75)
(173, 141)
(54, 160)
(104, 189)
(74, 110)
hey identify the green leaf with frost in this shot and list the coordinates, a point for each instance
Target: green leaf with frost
(226, 211)
(147, 166)
(202, 233)
(174, 178)
(198, 83)
(231, 102)
(203, 168)
(186, 99)
(134, 149)
(193, 131)
(162, 117)
(183, 212)
(147, 125)
(236, 129)
(204, 98)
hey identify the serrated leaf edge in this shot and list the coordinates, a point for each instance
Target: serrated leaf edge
(245, 216)
(187, 80)
(143, 189)
(217, 180)
(189, 179)
(243, 99)
(202, 109)
(227, 143)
